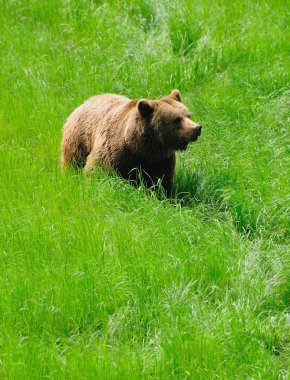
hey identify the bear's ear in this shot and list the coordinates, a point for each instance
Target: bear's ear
(145, 107)
(175, 94)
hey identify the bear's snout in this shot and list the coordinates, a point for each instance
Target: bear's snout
(198, 129)
(195, 132)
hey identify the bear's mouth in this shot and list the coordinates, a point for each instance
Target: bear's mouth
(182, 143)
(195, 137)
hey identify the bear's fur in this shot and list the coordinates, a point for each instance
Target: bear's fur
(125, 135)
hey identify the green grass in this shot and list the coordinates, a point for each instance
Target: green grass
(101, 280)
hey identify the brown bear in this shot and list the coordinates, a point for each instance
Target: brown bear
(129, 136)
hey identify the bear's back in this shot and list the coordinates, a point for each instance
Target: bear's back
(105, 103)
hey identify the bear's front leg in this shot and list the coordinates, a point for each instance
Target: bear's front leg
(168, 178)
(166, 175)
(168, 187)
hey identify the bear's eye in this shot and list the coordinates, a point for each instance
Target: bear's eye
(177, 120)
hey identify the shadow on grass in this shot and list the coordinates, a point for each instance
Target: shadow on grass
(223, 191)
(218, 191)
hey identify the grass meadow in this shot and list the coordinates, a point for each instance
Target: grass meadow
(99, 280)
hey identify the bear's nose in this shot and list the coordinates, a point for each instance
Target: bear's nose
(198, 129)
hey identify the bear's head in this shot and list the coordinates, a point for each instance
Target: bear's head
(170, 121)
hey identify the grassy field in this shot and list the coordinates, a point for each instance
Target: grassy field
(99, 280)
